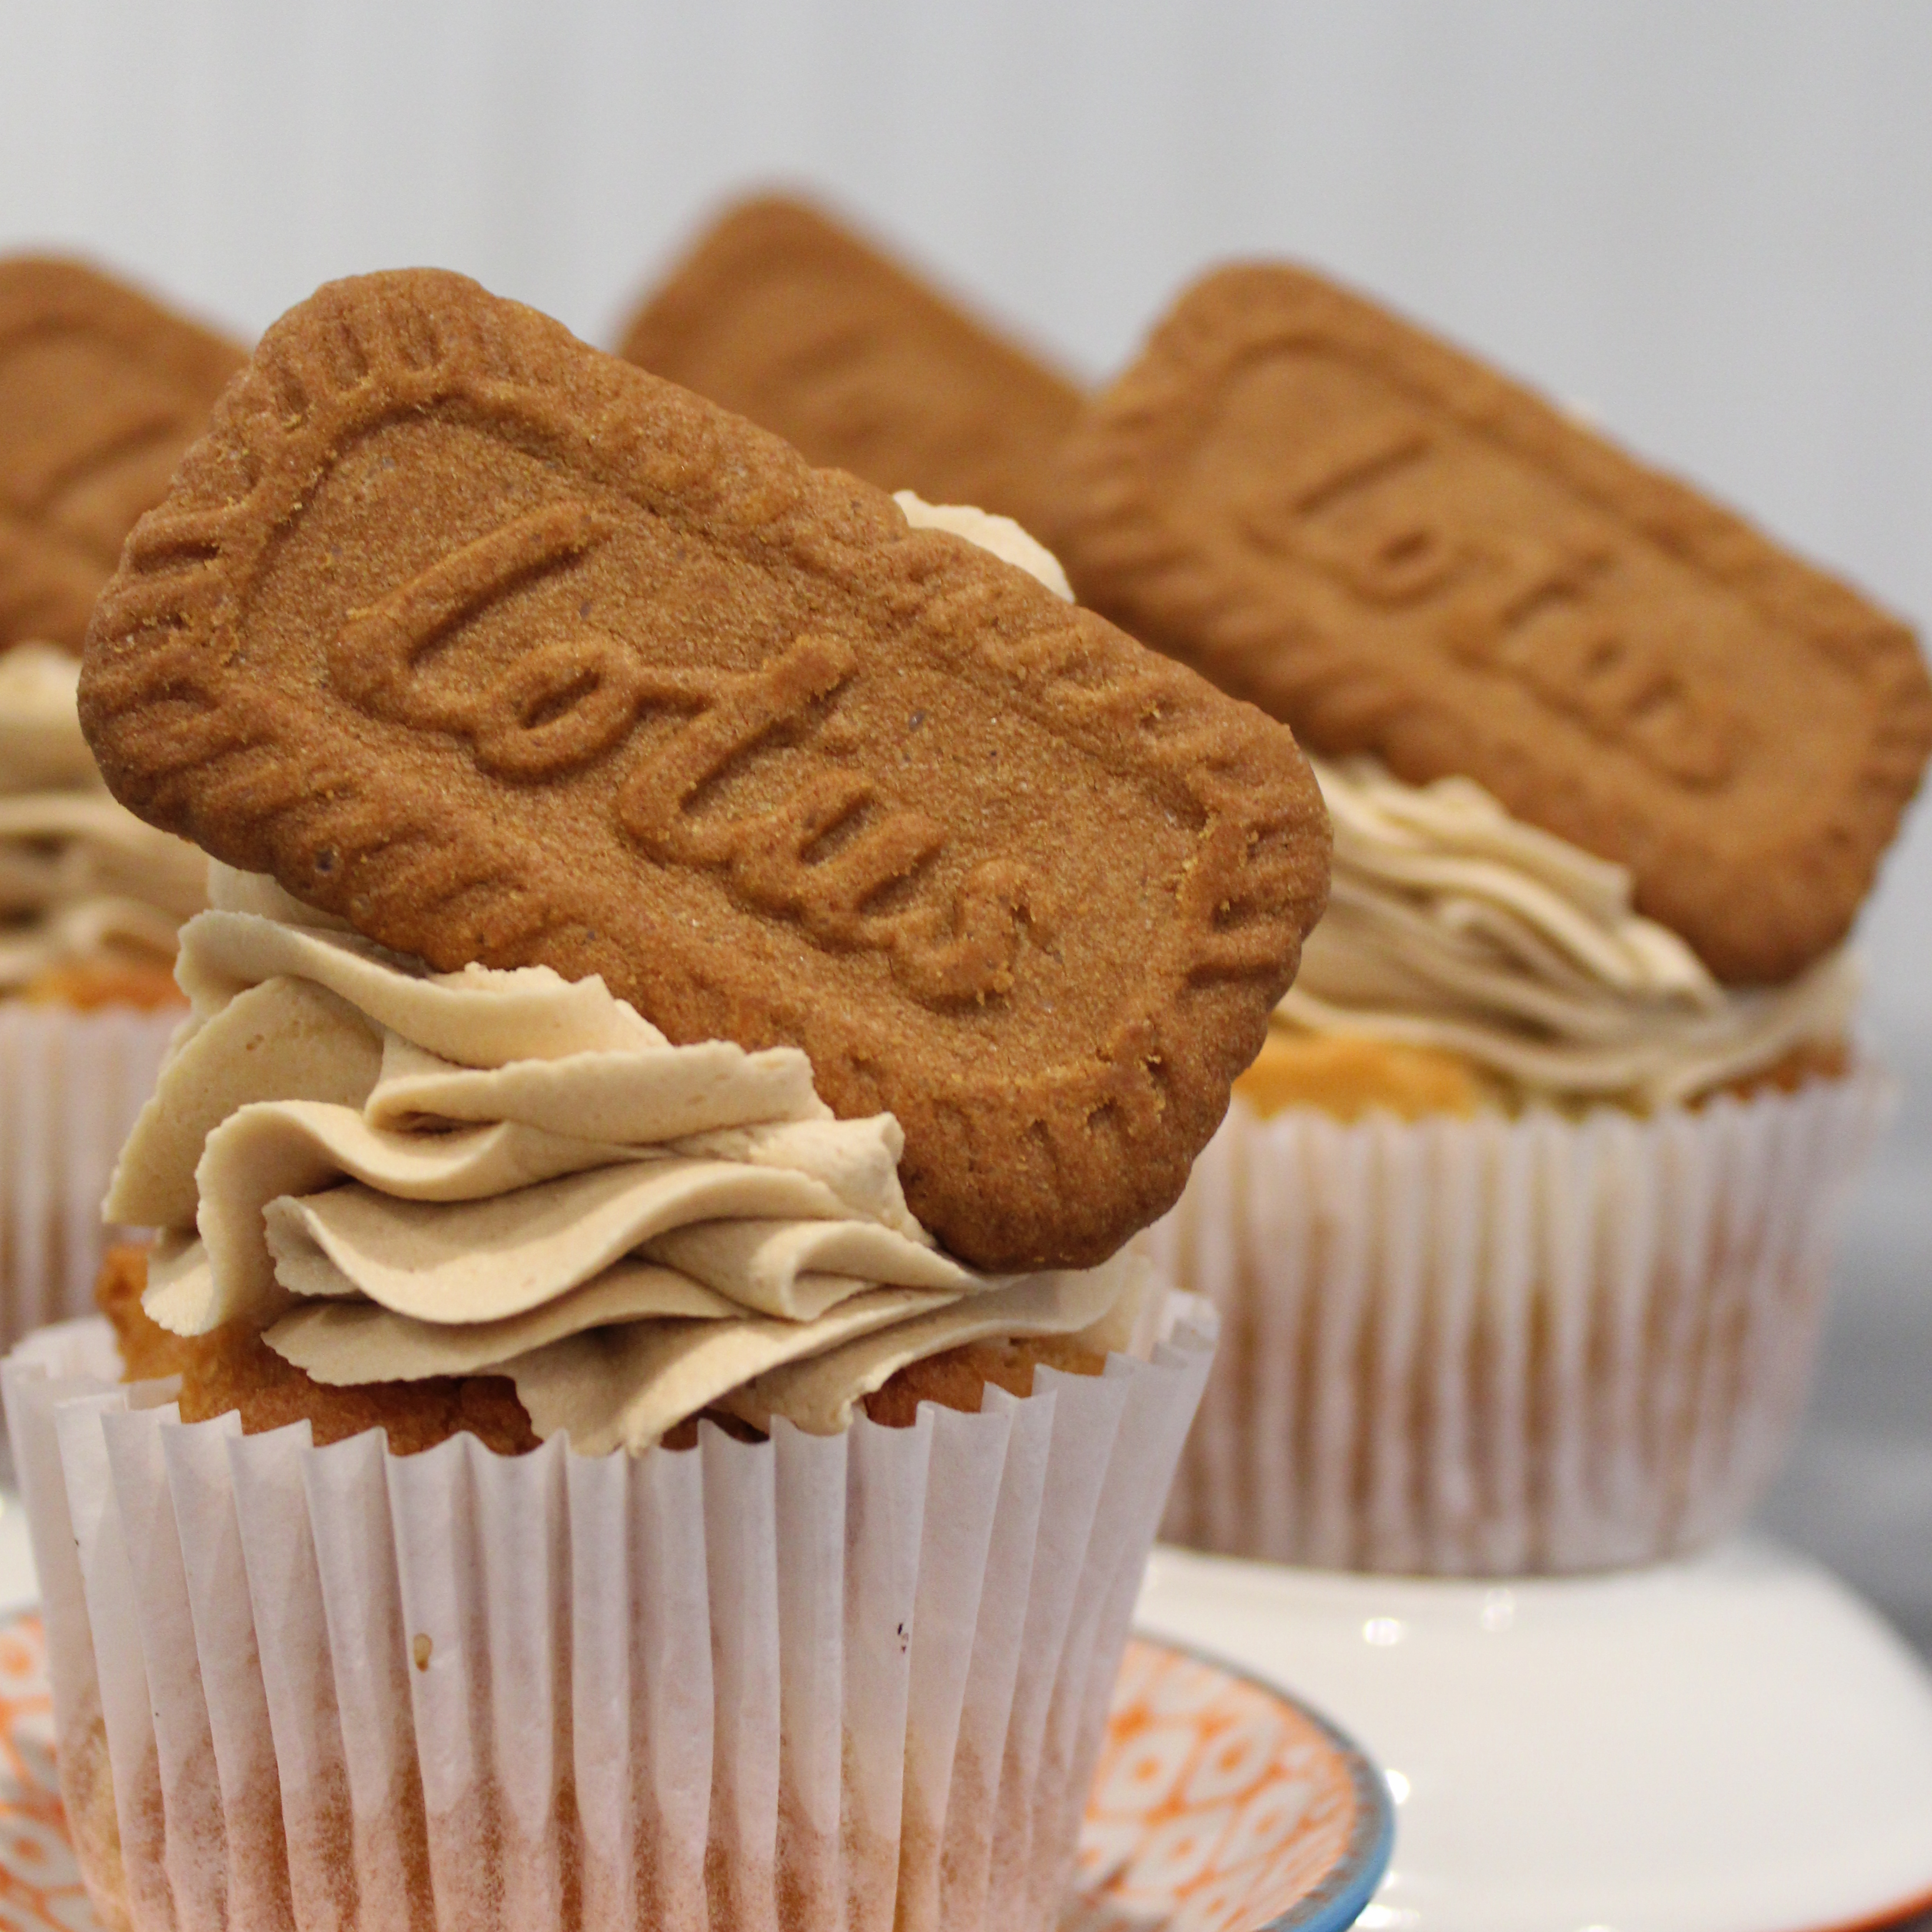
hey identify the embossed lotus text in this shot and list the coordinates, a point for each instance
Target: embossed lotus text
(1401, 513)
(824, 859)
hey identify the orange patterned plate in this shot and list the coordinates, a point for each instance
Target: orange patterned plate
(1221, 1806)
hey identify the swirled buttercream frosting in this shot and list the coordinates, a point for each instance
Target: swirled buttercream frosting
(1453, 926)
(83, 882)
(397, 1174)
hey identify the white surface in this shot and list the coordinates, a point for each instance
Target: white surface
(1733, 1745)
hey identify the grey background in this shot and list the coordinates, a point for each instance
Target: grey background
(1709, 222)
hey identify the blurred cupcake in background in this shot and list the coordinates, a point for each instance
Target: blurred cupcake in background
(1520, 1225)
(92, 899)
(100, 392)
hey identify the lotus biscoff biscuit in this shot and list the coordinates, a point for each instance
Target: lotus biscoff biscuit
(510, 652)
(1397, 551)
(100, 390)
(785, 316)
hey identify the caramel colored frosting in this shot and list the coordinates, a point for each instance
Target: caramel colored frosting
(399, 1174)
(82, 881)
(1453, 926)
(1005, 538)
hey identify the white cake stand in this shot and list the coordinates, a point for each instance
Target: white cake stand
(1733, 1744)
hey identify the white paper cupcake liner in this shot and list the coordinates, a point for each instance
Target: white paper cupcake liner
(1496, 1346)
(852, 1681)
(71, 1085)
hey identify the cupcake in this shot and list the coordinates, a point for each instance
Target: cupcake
(100, 390)
(90, 901)
(565, 1460)
(1519, 1224)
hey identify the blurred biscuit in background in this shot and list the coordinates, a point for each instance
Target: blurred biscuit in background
(101, 389)
(782, 315)
(1395, 549)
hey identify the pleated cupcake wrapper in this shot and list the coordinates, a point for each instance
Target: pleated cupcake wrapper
(71, 1085)
(857, 1680)
(1499, 1345)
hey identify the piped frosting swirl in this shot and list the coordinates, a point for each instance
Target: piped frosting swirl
(1451, 925)
(399, 1174)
